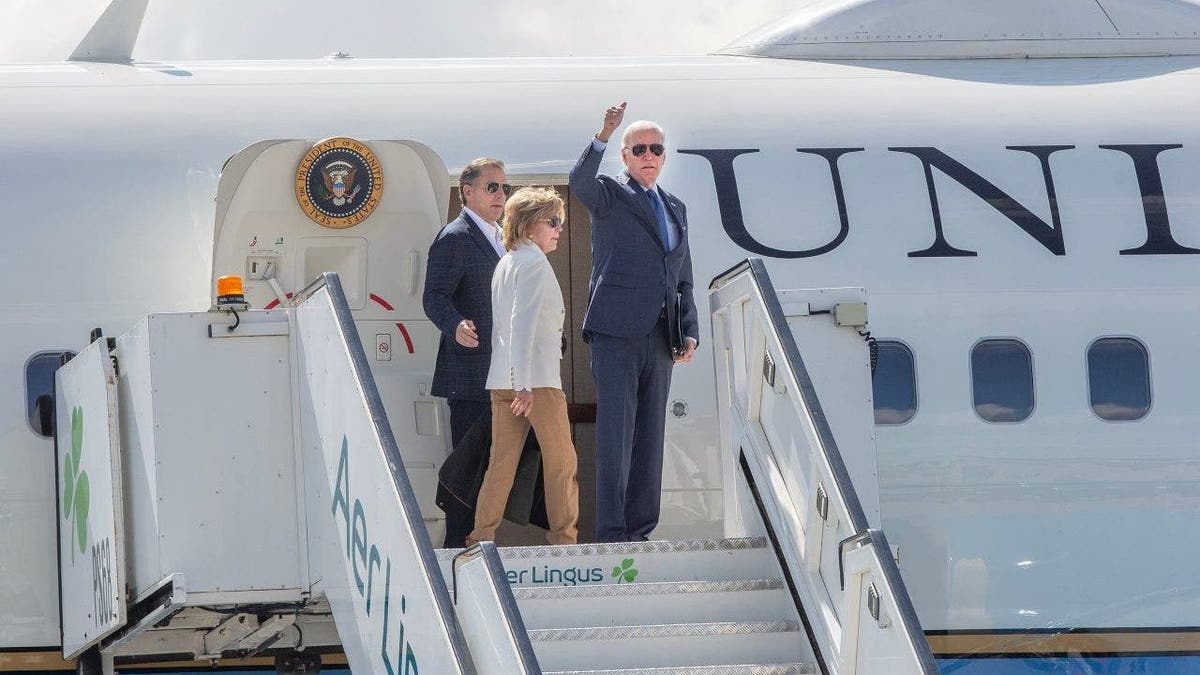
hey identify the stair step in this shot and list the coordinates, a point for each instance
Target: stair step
(663, 602)
(636, 547)
(579, 564)
(732, 669)
(619, 548)
(658, 630)
(668, 645)
(647, 588)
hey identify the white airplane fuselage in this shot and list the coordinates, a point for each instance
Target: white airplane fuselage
(835, 173)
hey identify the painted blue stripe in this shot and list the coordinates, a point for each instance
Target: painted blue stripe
(1068, 665)
(1099, 665)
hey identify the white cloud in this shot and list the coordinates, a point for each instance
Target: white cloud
(47, 30)
(996, 412)
(893, 416)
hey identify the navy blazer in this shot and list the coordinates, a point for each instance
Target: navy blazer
(633, 276)
(458, 285)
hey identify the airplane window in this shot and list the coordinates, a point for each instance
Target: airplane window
(1119, 379)
(895, 384)
(39, 391)
(1002, 380)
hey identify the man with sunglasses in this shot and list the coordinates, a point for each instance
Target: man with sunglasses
(458, 300)
(640, 294)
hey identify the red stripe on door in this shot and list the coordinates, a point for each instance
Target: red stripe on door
(407, 339)
(382, 303)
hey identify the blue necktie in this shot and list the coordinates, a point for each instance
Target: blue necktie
(660, 213)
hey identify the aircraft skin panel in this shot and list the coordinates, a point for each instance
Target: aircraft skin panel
(1021, 513)
(1001, 526)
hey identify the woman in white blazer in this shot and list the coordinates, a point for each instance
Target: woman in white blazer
(524, 381)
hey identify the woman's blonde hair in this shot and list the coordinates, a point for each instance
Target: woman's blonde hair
(524, 209)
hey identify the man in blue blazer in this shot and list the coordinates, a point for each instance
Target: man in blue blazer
(640, 294)
(458, 300)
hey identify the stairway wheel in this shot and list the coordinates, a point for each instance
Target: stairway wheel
(298, 663)
(89, 663)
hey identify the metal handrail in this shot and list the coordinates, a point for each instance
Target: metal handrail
(877, 540)
(508, 603)
(863, 534)
(803, 382)
(397, 473)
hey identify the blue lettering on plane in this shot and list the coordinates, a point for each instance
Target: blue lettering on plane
(1159, 238)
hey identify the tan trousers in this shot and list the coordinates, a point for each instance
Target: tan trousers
(549, 420)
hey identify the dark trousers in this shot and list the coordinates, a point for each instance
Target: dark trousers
(633, 379)
(463, 414)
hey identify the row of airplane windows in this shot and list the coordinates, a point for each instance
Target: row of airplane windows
(1118, 372)
(1001, 382)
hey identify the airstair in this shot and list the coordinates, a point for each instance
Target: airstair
(241, 484)
(804, 584)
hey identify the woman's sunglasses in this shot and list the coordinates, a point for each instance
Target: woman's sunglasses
(555, 222)
(641, 148)
(494, 186)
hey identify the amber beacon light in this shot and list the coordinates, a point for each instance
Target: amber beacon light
(229, 291)
(231, 298)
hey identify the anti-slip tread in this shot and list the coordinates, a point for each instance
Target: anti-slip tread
(667, 630)
(626, 548)
(733, 669)
(646, 588)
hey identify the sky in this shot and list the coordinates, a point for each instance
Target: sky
(48, 30)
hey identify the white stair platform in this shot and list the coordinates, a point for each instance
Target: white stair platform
(682, 560)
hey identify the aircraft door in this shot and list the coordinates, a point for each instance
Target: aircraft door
(289, 210)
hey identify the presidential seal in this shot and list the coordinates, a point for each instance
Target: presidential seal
(339, 182)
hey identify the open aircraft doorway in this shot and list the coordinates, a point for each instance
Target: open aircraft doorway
(288, 211)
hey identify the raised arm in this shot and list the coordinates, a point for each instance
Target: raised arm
(582, 181)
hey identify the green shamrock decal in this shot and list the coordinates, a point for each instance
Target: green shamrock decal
(626, 572)
(76, 492)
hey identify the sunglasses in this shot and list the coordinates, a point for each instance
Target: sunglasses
(641, 148)
(555, 222)
(493, 187)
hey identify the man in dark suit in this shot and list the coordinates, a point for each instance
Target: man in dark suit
(640, 294)
(458, 300)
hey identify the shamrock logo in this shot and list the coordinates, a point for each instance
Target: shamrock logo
(625, 572)
(76, 499)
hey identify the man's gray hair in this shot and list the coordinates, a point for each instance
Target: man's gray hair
(473, 170)
(641, 125)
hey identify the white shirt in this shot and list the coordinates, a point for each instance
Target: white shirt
(491, 231)
(527, 322)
